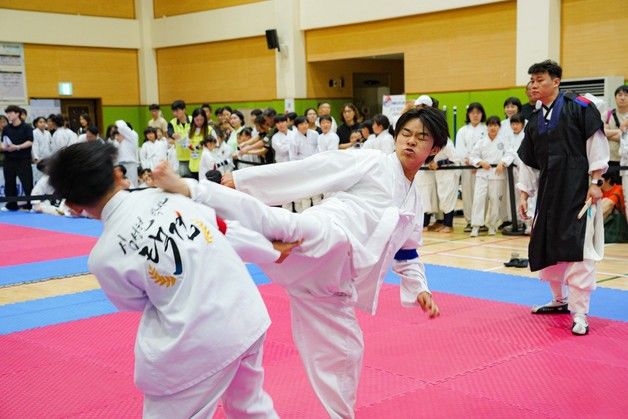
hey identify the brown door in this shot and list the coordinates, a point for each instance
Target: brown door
(74, 108)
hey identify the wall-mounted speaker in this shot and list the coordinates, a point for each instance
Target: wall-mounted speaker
(272, 42)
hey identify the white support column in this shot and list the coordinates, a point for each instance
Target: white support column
(147, 60)
(538, 34)
(290, 62)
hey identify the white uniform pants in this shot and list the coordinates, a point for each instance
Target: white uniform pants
(447, 189)
(572, 282)
(467, 183)
(239, 385)
(426, 183)
(131, 172)
(317, 277)
(492, 189)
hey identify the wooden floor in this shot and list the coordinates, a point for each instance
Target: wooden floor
(457, 249)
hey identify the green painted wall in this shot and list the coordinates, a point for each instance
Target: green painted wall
(131, 114)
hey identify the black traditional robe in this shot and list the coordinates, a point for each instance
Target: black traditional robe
(557, 148)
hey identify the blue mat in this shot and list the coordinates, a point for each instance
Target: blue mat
(83, 226)
(39, 271)
(606, 303)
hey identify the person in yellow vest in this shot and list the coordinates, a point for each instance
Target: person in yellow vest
(199, 130)
(178, 130)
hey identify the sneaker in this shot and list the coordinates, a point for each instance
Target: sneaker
(467, 228)
(492, 231)
(580, 326)
(483, 229)
(475, 231)
(553, 307)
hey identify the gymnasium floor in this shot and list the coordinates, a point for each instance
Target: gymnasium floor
(66, 351)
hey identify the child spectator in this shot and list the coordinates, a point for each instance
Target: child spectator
(383, 139)
(152, 151)
(327, 140)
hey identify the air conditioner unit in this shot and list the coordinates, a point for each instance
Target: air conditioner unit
(602, 87)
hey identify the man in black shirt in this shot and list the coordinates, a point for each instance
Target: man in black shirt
(17, 140)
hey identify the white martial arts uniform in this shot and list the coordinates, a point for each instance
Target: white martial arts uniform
(203, 319)
(334, 125)
(300, 147)
(281, 145)
(513, 141)
(42, 144)
(489, 185)
(447, 180)
(466, 138)
(350, 241)
(328, 142)
(152, 153)
(62, 138)
(127, 150)
(382, 141)
(42, 187)
(574, 281)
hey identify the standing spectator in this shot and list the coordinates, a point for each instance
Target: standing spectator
(84, 121)
(207, 108)
(366, 128)
(383, 139)
(446, 182)
(304, 144)
(236, 121)
(178, 130)
(467, 137)
(127, 143)
(528, 108)
(157, 120)
(17, 141)
(350, 122)
(42, 140)
(327, 140)
(565, 141)
(62, 136)
(512, 106)
(152, 151)
(199, 130)
(282, 138)
(616, 123)
(312, 117)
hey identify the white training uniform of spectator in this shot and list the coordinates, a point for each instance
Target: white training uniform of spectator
(152, 153)
(42, 187)
(300, 147)
(281, 145)
(488, 183)
(127, 150)
(62, 138)
(328, 142)
(382, 141)
(447, 180)
(466, 139)
(42, 144)
(334, 125)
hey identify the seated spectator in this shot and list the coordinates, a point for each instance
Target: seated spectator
(612, 197)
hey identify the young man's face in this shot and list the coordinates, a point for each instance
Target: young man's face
(516, 127)
(493, 129)
(302, 127)
(325, 126)
(475, 116)
(621, 99)
(179, 113)
(543, 86)
(13, 116)
(510, 110)
(154, 113)
(414, 144)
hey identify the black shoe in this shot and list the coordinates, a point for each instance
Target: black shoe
(483, 229)
(550, 309)
(516, 263)
(468, 228)
(504, 224)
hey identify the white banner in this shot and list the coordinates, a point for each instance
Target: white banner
(392, 105)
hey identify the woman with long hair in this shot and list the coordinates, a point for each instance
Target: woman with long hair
(350, 122)
(199, 130)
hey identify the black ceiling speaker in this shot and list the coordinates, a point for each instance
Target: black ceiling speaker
(272, 42)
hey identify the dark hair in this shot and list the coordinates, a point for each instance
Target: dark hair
(479, 107)
(149, 130)
(357, 131)
(154, 107)
(12, 108)
(550, 67)
(42, 165)
(381, 119)
(245, 131)
(517, 118)
(23, 111)
(435, 102)
(299, 120)
(513, 101)
(324, 118)
(111, 131)
(368, 124)
(177, 104)
(260, 120)
(270, 112)
(218, 111)
(433, 121)
(83, 173)
(227, 108)
(280, 118)
(121, 168)
(622, 88)
(493, 120)
(256, 111)
(142, 170)
(207, 140)
(204, 128)
(93, 129)
(58, 120)
(356, 113)
(239, 115)
(213, 176)
(309, 109)
(36, 120)
(292, 115)
(206, 105)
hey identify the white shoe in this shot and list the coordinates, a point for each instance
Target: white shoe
(553, 307)
(580, 326)
(475, 231)
(492, 231)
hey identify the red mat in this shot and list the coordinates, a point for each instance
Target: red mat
(20, 245)
(479, 359)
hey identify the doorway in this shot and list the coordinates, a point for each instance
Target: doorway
(368, 92)
(74, 108)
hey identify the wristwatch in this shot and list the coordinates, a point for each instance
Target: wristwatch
(597, 182)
